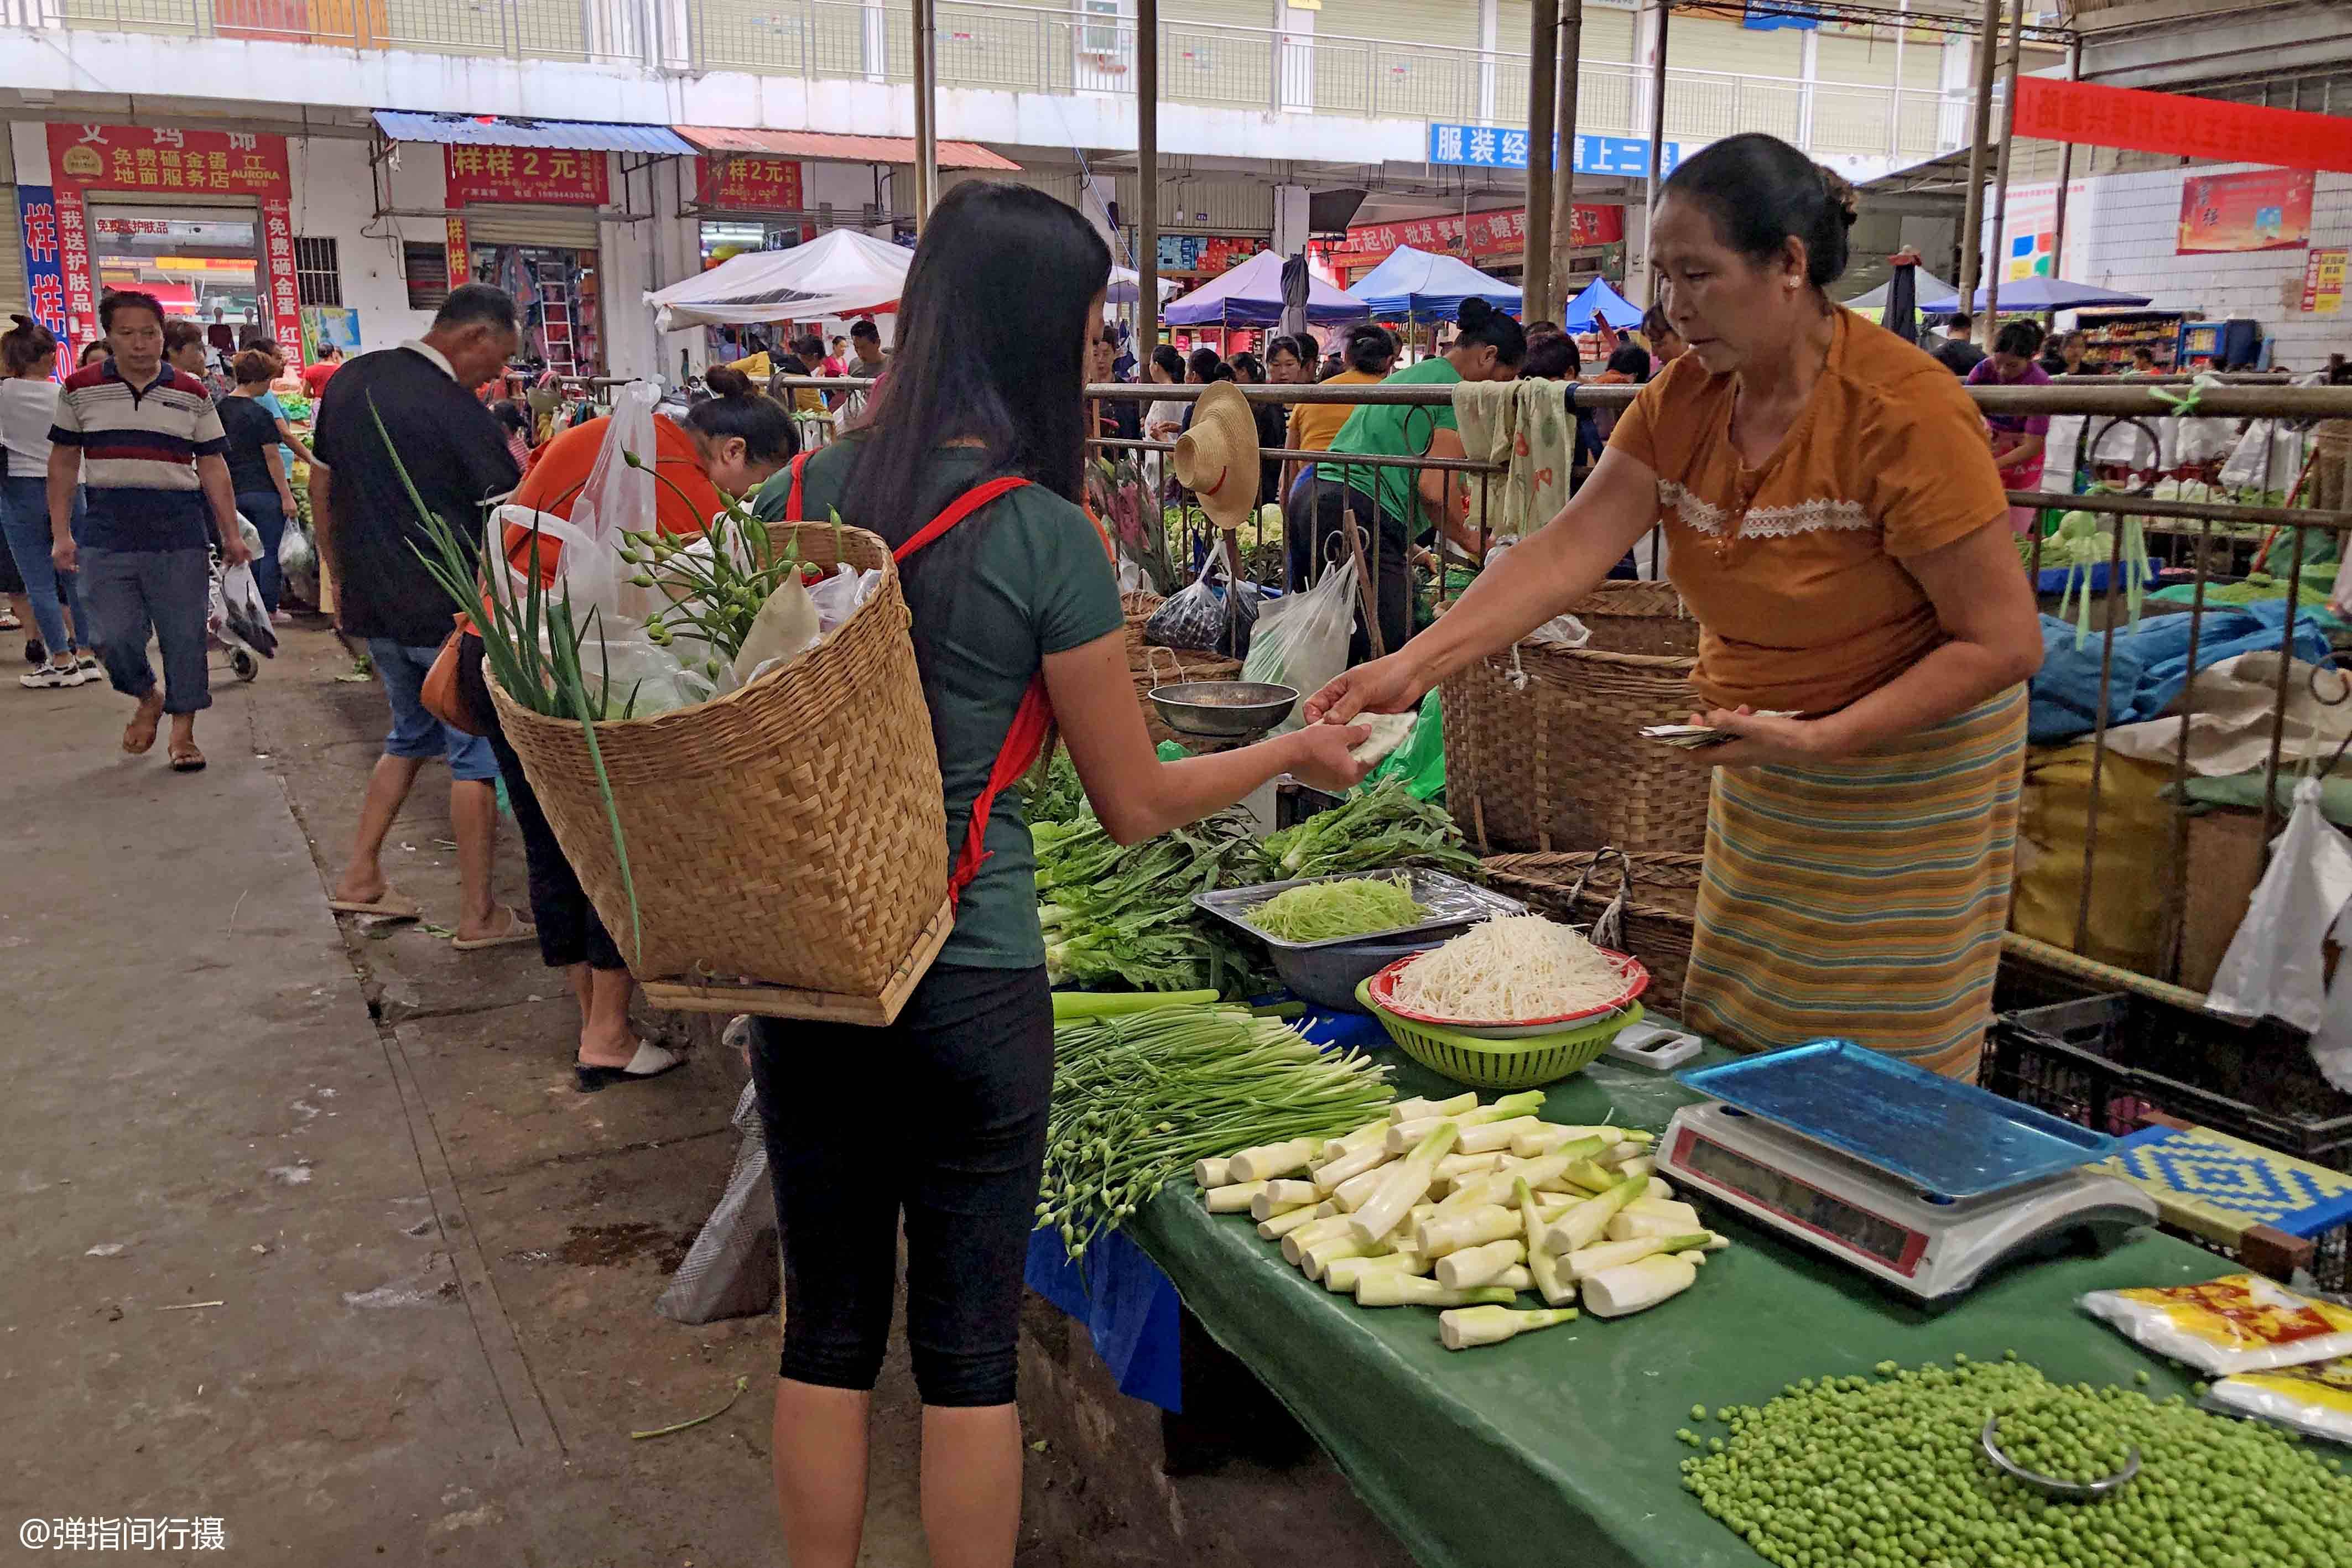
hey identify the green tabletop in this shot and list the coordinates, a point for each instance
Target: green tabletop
(1559, 1447)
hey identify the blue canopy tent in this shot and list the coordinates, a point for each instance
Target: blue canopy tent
(1602, 302)
(1250, 295)
(1422, 285)
(2033, 296)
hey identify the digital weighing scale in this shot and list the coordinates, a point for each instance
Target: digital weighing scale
(1920, 1182)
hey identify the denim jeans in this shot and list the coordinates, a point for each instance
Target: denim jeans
(268, 519)
(126, 591)
(415, 733)
(25, 519)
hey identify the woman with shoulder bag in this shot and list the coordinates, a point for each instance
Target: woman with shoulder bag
(968, 465)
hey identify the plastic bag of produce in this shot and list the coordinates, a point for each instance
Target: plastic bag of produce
(2276, 965)
(2315, 1399)
(1301, 640)
(2240, 1323)
(1206, 617)
(296, 557)
(837, 597)
(732, 1270)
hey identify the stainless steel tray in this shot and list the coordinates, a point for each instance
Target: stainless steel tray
(1452, 904)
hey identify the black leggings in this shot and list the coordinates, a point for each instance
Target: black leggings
(570, 930)
(940, 1117)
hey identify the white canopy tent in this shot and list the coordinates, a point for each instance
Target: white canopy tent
(1123, 284)
(840, 273)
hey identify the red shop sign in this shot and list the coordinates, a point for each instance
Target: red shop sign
(553, 176)
(1480, 235)
(166, 158)
(2099, 116)
(735, 183)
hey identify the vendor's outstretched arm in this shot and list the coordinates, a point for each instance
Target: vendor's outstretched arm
(1538, 579)
(1135, 794)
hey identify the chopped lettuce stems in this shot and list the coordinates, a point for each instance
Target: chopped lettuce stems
(1389, 1211)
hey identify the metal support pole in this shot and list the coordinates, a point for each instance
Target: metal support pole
(1543, 62)
(927, 111)
(1998, 256)
(1658, 147)
(1563, 209)
(1972, 214)
(2065, 173)
(1147, 183)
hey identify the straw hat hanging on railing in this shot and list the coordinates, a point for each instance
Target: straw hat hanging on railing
(1217, 459)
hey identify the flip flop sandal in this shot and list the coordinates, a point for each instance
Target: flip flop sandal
(522, 930)
(650, 1062)
(391, 906)
(188, 761)
(137, 744)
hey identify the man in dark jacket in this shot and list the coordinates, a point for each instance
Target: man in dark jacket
(1959, 352)
(456, 455)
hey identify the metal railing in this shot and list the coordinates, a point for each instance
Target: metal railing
(1025, 48)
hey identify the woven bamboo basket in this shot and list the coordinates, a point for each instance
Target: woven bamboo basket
(1138, 606)
(1544, 751)
(1638, 617)
(1659, 913)
(788, 841)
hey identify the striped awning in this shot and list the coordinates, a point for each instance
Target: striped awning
(829, 146)
(498, 131)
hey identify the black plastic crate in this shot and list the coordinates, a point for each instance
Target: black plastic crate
(2114, 1060)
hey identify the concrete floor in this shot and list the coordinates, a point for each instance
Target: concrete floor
(308, 1229)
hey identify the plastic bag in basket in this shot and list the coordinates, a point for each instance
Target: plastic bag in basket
(2240, 1323)
(1206, 617)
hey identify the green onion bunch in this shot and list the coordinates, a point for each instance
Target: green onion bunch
(1139, 1097)
(1889, 1473)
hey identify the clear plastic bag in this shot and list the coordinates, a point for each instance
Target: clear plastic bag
(1301, 639)
(732, 1270)
(244, 613)
(2315, 1399)
(297, 558)
(1205, 617)
(838, 597)
(2240, 1323)
(2276, 965)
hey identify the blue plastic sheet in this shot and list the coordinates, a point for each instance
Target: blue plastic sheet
(1126, 1304)
(2151, 665)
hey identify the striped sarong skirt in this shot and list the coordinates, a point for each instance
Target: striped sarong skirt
(1863, 899)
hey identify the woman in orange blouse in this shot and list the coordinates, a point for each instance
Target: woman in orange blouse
(1838, 528)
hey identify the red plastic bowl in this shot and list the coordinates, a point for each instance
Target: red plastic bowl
(1381, 987)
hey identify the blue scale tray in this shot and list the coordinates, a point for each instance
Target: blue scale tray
(1928, 1132)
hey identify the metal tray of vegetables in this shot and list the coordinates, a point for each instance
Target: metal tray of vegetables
(1448, 903)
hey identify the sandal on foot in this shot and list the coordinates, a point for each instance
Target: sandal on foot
(517, 930)
(391, 906)
(650, 1062)
(187, 758)
(139, 735)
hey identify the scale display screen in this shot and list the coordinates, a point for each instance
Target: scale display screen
(1892, 1244)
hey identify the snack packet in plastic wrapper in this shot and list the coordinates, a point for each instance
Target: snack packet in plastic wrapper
(2240, 1323)
(2314, 1399)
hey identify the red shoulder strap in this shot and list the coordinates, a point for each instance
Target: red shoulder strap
(792, 497)
(1033, 721)
(957, 510)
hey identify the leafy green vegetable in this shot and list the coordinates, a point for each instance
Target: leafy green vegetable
(1125, 914)
(1379, 828)
(1054, 794)
(1321, 911)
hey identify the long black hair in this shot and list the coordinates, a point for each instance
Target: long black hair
(992, 331)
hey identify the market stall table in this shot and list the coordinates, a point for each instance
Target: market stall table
(1563, 1443)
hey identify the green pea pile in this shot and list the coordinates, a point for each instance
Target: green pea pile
(1858, 1472)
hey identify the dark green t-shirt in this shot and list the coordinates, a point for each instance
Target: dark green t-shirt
(1394, 430)
(1040, 583)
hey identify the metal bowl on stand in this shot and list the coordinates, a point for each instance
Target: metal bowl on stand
(1223, 710)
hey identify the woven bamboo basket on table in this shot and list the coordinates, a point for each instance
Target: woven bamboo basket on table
(1659, 914)
(1543, 744)
(788, 841)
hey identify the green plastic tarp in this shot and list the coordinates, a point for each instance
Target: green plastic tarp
(1559, 1447)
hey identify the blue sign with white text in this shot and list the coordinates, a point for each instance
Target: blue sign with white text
(1488, 147)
